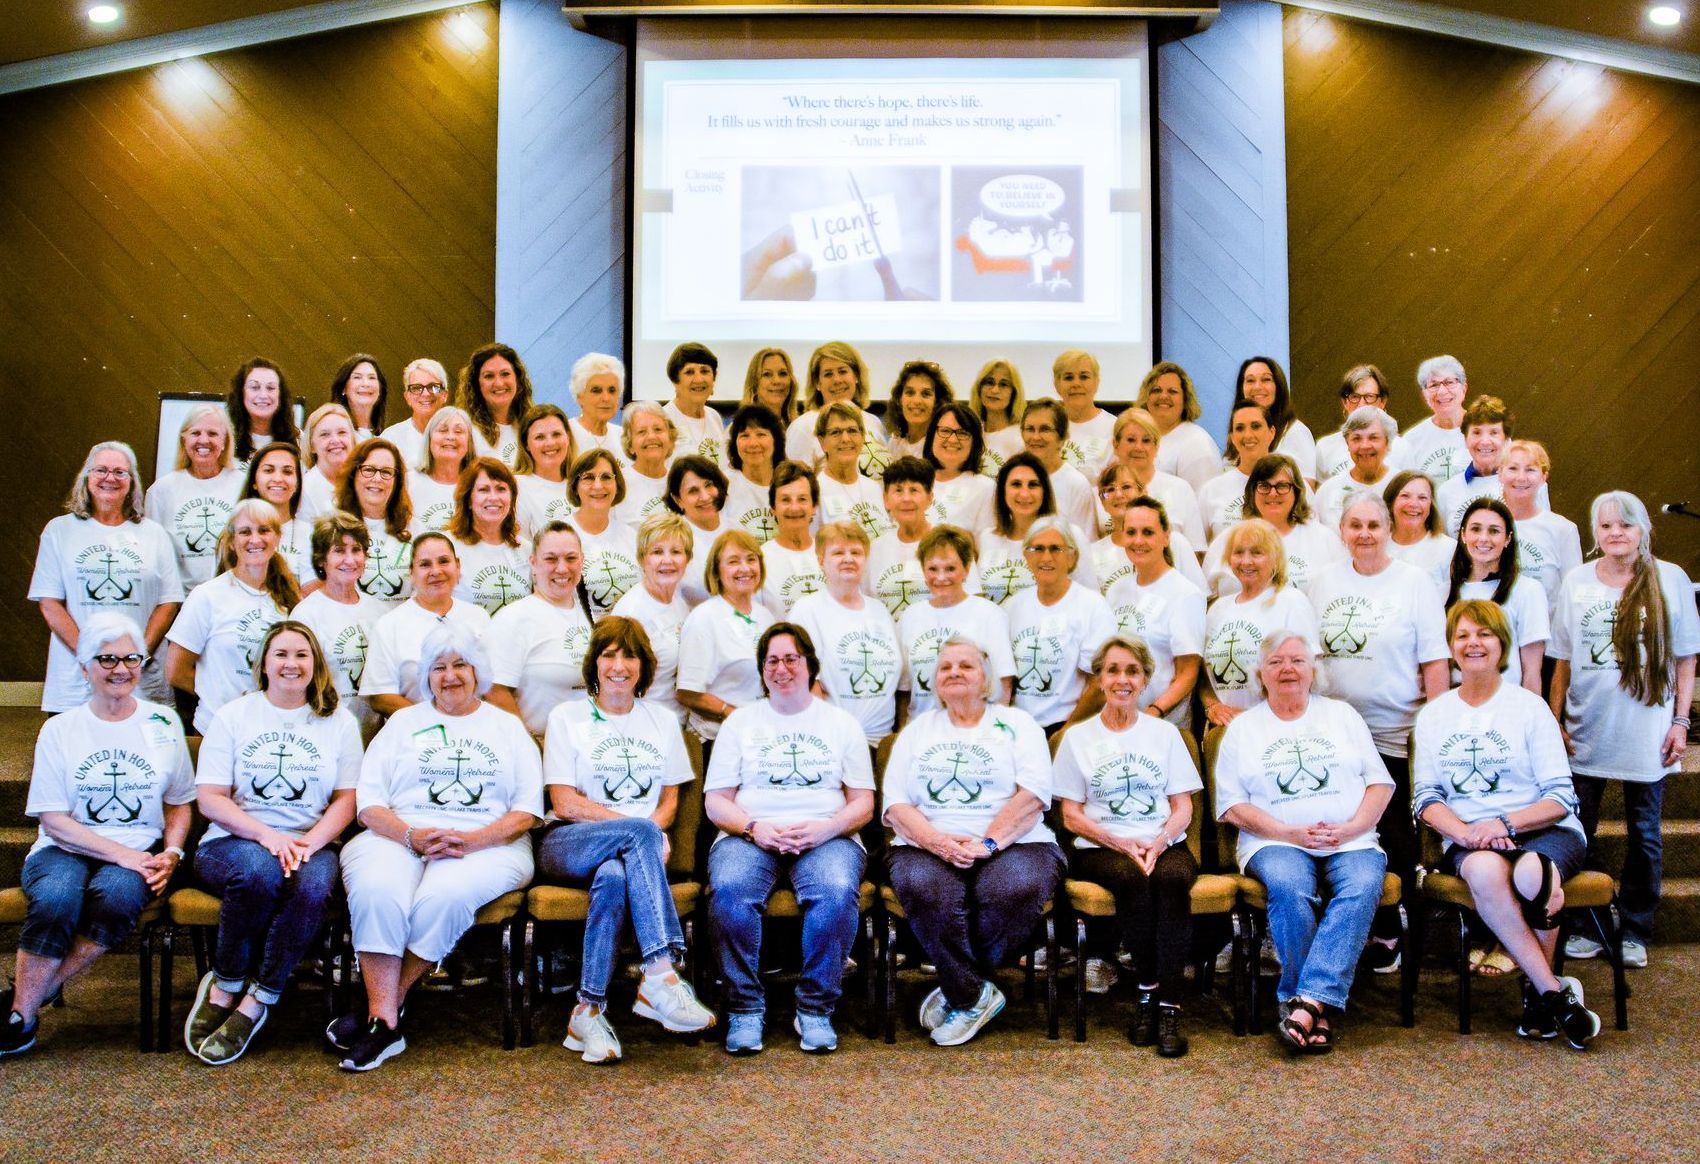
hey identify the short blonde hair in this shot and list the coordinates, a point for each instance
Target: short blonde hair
(738, 538)
(216, 413)
(840, 531)
(1488, 615)
(1190, 409)
(1254, 532)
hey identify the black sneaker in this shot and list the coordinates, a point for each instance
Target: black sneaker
(15, 1037)
(344, 1032)
(1576, 1021)
(1537, 1022)
(1171, 1044)
(1143, 1032)
(376, 1047)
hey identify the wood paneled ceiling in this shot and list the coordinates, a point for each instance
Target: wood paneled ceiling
(39, 28)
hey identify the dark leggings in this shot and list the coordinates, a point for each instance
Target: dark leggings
(1398, 832)
(1153, 914)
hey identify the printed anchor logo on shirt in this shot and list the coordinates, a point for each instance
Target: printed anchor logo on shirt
(869, 662)
(874, 459)
(1038, 658)
(279, 765)
(435, 515)
(455, 771)
(898, 586)
(1301, 766)
(798, 585)
(627, 767)
(1474, 763)
(1231, 653)
(953, 774)
(924, 653)
(251, 630)
(608, 576)
(759, 521)
(497, 585)
(870, 517)
(108, 574)
(112, 785)
(1132, 619)
(1598, 623)
(792, 759)
(1348, 624)
(1129, 785)
(348, 653)
(1004, 580)
(198, 521)
(385, 573)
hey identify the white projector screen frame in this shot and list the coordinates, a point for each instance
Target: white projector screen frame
(700, 191)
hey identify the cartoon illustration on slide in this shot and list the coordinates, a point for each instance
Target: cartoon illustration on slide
(1016, 233)
(840, 233)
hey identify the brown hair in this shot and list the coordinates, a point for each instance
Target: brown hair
(461, 524)
(398, 511)
(321, 694)
(614, 630)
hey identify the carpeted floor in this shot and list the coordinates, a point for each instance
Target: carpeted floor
(1386, 1094)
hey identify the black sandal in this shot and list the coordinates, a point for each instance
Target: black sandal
(1297, 1035)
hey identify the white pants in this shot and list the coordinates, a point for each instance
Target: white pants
(398, 901)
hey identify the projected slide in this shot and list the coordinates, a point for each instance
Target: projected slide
(954, 208)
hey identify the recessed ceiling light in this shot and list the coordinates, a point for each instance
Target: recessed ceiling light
(103, 14)
(1664, 15)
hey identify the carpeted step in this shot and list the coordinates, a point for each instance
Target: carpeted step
(1682, 846)
(14, 847)
(14, 793)
(1679, 911)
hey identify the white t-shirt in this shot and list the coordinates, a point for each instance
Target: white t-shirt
(433, 503)
(1168, 616)
(1314, 768)
(1000, 447)
(960, 778)
(894, 574)
(1053, 647)
(1499, 758)
(1376, 632)
(1549, 546)
(193, 513)
(452, 771)
(1233, 635)
(717, 655)
(1110, 563)
(115, 778)
(790, 768)
(318, 496)
(505, 448)
(747, 507)
(1004, 572)
(537, 648)
(388, 577)
(295, 543)
(621, 762)
(392, 654)
(1333, 495)
(96, 569)
(584, 440)
(408, 439)
(694, 585)
(663, 622)
(492, 574)
(280, 767)
(790, 575)
(1615, 735)
(802, 446)
(344, 633)
(1432, 555)
(703, 436)
(1437, 453)
(1189, 453)
(862, 502)
(924, 628)
(610, 565)
(1333, 458)
(541, 501)
(1454, 495)
(1298, 443)
(1088, 447)
(1222, 500)
(645, 497)
(1075, 497)
(964, 501)
(860, 661)
(224, 623)
(1124, 779)
(1526, 610)
(1180, 502)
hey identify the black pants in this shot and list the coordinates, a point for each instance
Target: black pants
(1398, 832)
(1153, 913)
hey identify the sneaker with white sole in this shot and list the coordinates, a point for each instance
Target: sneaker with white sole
(815, 1033)
(1575, 1021)
(670, 1001)
(205, 1016)
(1581, 948)
(376, 1047)
(15, 1037)
(743, 1034)
(961, 1025)
(933, 1009)
(1634, 954)
(589, 1033)
(1100, 976)
(232, 1039)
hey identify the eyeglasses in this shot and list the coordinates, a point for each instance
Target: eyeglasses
(1359, 399)
(950, 436)
(115, 474)
(786, 661)
(1277, 488)
(110, 662)
(1443, 382)
(377, 473)
(843, 432)
(424, 390)
(1039, 429)
(1045, 551)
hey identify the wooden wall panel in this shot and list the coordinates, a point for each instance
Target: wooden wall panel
(302, 200)
(1537, 218)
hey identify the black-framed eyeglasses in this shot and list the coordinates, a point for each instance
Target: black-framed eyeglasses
(110, 662)
(424, 390)
(953, 436)
(1276, 488)
(377, 473)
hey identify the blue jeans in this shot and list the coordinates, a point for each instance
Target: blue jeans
(266, 921)
(621, 862)
(826, 880)
(71, 895)
(1643, 863)
(1319, 954)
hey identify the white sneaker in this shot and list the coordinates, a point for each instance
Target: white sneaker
(961, 1025)
(933, 1009)
(588, 1032)
(670, 1001)
(1100, 976)
(1580, 948)
(1634, 953)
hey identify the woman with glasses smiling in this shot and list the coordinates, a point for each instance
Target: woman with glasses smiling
(956, 446)
(1362, 386)
(1435, 446)
(1274, 492)
(374, 489)
(103, 557)
(425, 388)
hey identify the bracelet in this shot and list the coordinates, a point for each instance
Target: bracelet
(176, 851)
(407, 839)
(1680, 721)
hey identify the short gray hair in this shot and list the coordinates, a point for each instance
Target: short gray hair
(1054, 523)
(1370, 498)
(102, 630)
(643, 408)
(1369, 416)
(990, 687)
(1274, 641)
(595, 364)
(454, 638)
(1439, 366)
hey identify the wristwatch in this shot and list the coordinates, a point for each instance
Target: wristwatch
(991, 846)
(749, 833)
(175, 851)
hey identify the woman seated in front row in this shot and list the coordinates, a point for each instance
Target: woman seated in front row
(1299, 777)
(966, 788)
(789, 784)
(612, 765)
(1491, 777)
(448, 790)
(112, 780)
